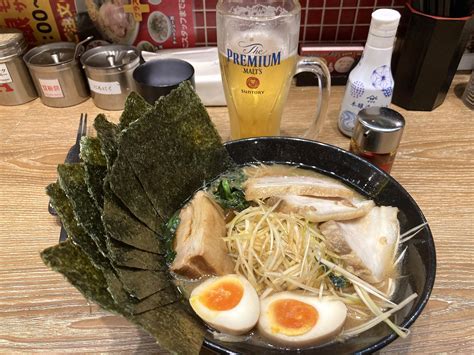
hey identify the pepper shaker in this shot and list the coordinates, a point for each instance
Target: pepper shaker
(377, 134)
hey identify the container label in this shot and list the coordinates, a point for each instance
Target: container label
(51, 88)
(4, 74)
(105, 88)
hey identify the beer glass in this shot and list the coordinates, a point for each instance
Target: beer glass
(258, 45)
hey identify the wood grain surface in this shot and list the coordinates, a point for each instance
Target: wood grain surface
(41, 312)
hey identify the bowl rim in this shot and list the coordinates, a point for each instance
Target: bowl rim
(422, 298)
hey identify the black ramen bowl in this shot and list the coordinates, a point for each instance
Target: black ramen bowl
(419, 265)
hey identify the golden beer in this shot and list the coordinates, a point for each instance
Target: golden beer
(258, 44)
(256, 95)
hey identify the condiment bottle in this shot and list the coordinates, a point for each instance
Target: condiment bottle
(377, 134)
(371, 83)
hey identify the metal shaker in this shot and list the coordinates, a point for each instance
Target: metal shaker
(377, 134)
(57, 74)
(109, 72)
(16, 87)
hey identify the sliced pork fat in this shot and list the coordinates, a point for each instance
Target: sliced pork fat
(316, 209)
(268, 186)
(367, 244)
(200, 249)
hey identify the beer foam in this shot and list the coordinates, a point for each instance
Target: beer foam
(258, 10)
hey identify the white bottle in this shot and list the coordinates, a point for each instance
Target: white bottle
(370, 83)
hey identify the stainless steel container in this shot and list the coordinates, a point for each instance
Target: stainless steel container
(57, 75)
(16, 86)
(109, 72)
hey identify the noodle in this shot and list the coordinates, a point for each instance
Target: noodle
(281, 252)
(276, 250)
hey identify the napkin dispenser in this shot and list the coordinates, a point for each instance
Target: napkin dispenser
(207, 74)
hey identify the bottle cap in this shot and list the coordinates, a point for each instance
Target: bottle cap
(384, 23)
(378, 129)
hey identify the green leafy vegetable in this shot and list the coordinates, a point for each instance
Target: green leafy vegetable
(228, 191)
(338, 280)
(169, 235)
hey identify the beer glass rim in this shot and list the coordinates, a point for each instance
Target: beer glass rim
(292, 12)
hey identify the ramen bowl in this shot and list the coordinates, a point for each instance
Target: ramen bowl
(419, 265)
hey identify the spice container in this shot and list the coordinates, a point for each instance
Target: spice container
(377, 134)
(16, 86)
(57, 74)
(109, 72)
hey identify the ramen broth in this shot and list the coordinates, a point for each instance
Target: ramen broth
(355, 313)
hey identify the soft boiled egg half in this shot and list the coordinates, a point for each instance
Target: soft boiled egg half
(227, 303)
(296, 320)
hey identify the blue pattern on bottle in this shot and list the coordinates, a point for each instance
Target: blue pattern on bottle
(357, 89)
(382, 78)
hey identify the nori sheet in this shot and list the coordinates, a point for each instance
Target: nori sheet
(175, 329)
(91, 151)
(107, 135)
(88, 246)
(135, 107)
(64, 208)
(94, 179)
(69, 260)
(161, 298)
(123, 226)
(96, 168)
(162, 153)
(142, 283)
(173, 150)
(125, 186)
(72, 181)
(123, 255)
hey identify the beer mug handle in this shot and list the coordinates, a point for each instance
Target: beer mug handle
(320, 70)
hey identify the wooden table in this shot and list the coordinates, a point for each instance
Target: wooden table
(40, 311)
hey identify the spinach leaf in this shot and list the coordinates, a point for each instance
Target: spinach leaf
(168, 237)
(229, 193)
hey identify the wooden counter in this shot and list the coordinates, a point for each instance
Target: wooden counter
(40, 311)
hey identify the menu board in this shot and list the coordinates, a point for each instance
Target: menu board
(148, 24)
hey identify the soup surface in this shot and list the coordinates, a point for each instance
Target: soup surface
(315, 260)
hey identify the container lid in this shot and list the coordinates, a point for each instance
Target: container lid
(378, 129)
(384, 23)
(12, 43)
(51, 54)
(109, 57)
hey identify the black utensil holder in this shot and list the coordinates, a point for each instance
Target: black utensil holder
(426, 56)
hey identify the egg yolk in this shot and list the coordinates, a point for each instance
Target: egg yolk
(292, 317)
(222, 295)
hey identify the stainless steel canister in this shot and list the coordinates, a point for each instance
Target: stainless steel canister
(109, 72)
(16, 86)
(57, 75)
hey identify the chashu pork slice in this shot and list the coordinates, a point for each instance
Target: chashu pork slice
(268, 186)
(199, 245)
(368, 244)
(317, 209)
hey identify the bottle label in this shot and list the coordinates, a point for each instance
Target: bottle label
(4, 74)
